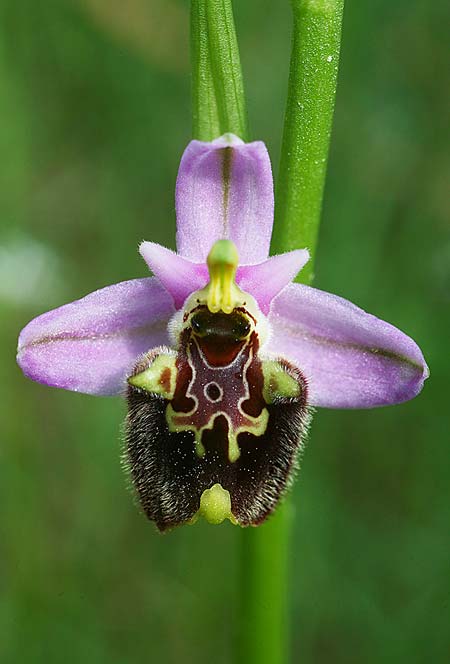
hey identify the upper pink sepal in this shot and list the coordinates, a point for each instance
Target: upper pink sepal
(225, 191)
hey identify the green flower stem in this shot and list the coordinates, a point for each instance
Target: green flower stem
(264, 583)
(218, 101)
(304, 155)
(205, 114)
(307, 129)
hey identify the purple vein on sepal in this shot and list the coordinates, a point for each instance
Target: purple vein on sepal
(160, 326)
(383, 352)
(227, 159)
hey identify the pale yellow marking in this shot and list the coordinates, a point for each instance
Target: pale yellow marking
(175, 428)
(257, 427)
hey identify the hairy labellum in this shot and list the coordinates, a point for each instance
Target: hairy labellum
(213, 428)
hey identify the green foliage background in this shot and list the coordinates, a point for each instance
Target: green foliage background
(94, 115)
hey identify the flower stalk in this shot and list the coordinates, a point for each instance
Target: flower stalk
(264, 587)
(309, 113)
(218, 101)
(316, 38)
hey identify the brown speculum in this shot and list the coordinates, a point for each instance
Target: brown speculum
(214, 413)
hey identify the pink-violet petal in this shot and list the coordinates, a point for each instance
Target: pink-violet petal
(91, 345)
(266, 280)
(178, 275)
(224, 191)
(350, 359)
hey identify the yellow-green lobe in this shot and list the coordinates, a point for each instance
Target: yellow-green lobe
(277, 382)
(215, 505)
(159, 377)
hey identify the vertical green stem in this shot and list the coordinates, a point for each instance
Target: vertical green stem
(307, 129)
(264, 587)
(205, 114)
(309, 113)
(226, 66)
(218, 101)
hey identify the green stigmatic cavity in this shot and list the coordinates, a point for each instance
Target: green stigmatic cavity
(214, 428)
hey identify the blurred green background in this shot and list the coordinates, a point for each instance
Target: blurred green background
(94, 115)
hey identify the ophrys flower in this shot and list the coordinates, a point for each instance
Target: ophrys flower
(220, 355)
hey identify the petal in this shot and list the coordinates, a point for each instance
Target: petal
(178, 275)
(350, 359)
(224, 191)
(266, 280)
(91, 345)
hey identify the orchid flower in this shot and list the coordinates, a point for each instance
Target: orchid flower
(220, 355)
